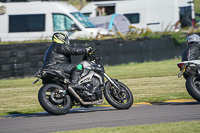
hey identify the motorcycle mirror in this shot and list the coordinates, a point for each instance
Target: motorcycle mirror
(100, 58)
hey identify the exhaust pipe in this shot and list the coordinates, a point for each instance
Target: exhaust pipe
(71, 91)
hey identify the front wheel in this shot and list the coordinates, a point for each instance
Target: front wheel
(119, 99)
(193, 87)
(54, 100)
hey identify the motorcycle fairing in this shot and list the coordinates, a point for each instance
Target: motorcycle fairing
(93, 66)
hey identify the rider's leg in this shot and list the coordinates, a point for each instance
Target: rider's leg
(75, 77)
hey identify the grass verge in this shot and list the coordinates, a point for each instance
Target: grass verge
(179, 127)
(141, 70)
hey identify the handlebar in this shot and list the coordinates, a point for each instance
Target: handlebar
(94, 50)
(91, 57)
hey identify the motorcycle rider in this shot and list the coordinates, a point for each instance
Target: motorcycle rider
(192, 52)
(58, 57)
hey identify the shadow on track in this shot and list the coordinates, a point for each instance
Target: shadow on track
(74, 110)
(93, 109)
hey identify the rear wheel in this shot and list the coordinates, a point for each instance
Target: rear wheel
(120, 99)
(53, 99)
(193, 87)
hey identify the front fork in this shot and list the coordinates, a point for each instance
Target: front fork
(111, 81)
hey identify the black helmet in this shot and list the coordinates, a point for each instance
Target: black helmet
(193, 38)
(60, 38)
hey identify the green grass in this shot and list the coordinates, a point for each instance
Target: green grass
(149, 82)
(157, 89)
(197, 6)
(140, 70)
(179, 127)
(19, 96)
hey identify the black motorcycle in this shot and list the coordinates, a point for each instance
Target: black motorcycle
(57, 97)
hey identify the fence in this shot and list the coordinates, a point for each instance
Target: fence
(20, 60)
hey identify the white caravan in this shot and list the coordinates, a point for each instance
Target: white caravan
(20, 21)
(158, 15)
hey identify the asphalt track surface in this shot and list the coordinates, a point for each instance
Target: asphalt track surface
(104, 116)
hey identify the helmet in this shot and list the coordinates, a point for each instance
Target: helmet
(60, 38)
(193, 38)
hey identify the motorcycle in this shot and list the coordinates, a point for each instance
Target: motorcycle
(57, 97)
(191, 72)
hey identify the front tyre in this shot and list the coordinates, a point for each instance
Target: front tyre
(193, 87)
(119, 99)
(52, 98)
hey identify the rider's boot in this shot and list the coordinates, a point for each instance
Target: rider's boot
(75, 78)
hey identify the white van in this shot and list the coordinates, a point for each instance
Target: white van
(158, 15)
(20, 21)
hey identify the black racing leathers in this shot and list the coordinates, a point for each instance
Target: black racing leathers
(192, 52)
(58, 56)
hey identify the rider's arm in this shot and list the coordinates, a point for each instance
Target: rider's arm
(72, 51)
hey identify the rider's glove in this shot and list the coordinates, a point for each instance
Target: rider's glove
(89, 50)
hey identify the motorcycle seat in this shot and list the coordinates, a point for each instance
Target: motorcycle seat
(58, 73)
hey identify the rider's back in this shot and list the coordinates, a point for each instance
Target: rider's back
(192, 52)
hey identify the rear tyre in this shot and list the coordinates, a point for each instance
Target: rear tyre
(119, 99)
(51, 98)
(193, 87)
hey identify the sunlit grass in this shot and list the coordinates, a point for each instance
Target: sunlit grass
(197, 6)
(157, 89)
(147, 69)
(179, 127)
